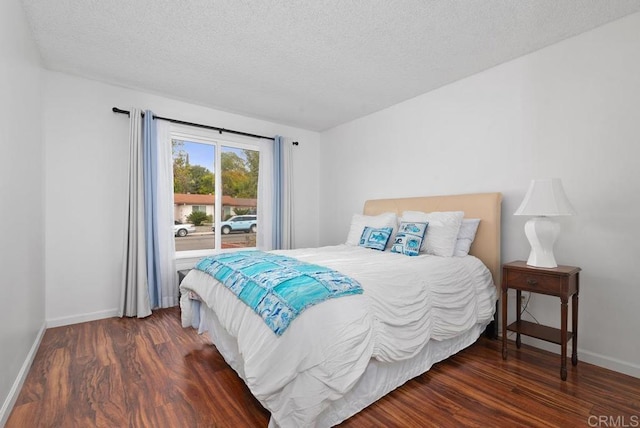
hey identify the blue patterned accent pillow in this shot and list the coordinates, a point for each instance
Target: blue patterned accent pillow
(375, 238)
(409, 238)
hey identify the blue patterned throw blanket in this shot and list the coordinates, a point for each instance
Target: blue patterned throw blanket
(276, 287)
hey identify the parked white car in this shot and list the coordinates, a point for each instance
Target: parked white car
(180, 229)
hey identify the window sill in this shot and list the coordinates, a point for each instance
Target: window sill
(188, 259)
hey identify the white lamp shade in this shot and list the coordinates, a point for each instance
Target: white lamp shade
(545, 197)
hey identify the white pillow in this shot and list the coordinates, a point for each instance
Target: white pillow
(360, 221)
(466, 235)
(442, 232)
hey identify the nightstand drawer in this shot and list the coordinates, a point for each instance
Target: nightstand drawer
(537, 283)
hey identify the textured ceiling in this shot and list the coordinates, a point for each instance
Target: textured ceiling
(309, 63)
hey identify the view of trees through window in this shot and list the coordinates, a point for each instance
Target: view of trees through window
(194, 187)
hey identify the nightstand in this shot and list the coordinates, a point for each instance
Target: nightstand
(181, 274)
(562, 282)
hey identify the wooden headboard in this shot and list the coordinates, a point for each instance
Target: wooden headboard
(485, 206)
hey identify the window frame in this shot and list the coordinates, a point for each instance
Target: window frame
(210, 137)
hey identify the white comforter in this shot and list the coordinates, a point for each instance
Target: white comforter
(407, 301)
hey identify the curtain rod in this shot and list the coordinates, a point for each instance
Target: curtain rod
(215, 128)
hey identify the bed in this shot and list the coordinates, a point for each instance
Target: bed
(338, 357)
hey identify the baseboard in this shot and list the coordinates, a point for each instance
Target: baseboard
(76, 319)
(610, 363)
(7, 406)
(614, 364)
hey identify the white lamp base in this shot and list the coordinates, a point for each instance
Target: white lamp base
(541, 233)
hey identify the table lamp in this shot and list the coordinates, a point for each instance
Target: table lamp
(545, 198)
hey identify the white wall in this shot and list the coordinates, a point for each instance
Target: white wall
(21, 203)
(572, 111)
(86, 164)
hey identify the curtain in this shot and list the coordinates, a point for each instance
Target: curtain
(264, 235)
(288, 237)
(150, 160)
(163, 289)
(275, 190)
(134, 297)
(150, 279)
(278, 178)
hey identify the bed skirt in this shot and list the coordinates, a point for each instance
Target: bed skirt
(379, 378)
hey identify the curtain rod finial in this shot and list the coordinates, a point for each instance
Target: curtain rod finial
(295, 143)
(117, 110)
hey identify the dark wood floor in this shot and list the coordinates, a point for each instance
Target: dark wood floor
(153, 373)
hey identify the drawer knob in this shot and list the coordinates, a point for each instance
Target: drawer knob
(531, 281)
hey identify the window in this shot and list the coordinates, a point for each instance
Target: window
(215, 184)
